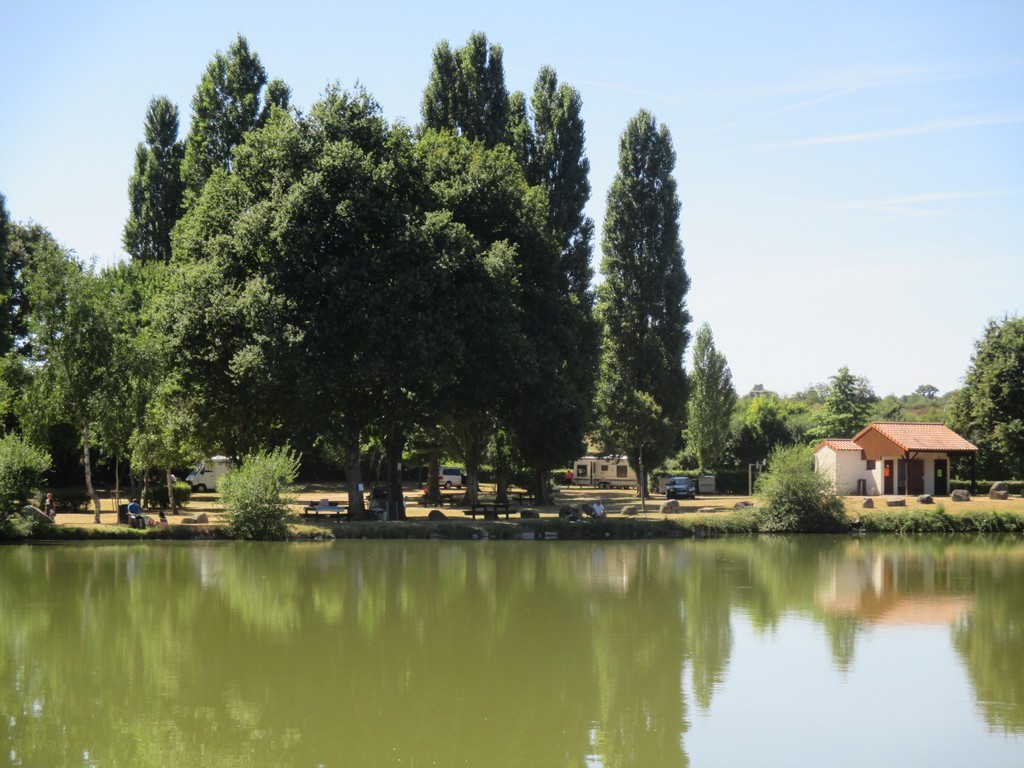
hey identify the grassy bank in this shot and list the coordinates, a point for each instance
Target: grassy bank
(702, 517)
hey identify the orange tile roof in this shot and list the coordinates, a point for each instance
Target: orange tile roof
(838, 444)
(920, 437)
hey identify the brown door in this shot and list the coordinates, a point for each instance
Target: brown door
(941, 481)
(887, 481)
(915, 477)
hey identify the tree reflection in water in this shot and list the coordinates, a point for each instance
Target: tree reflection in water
(443, 653)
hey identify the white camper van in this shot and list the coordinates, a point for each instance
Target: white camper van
(604, 472)
(208, 473)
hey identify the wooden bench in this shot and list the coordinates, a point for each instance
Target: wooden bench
(489, 509)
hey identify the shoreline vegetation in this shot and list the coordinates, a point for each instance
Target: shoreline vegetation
(704, 517)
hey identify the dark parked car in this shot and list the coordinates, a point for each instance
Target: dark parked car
(681, 488)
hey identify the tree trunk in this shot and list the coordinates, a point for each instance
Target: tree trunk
(170, 492)
(541, 489)
(117, 481)
(395, 442)
(500, 471)
(472, 451)
(432, 493)
(354, 479)
(88, 470)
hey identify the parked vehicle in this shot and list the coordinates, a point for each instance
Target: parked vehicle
(208, 473)
(604, 472)
(680, 488)
(451, 477)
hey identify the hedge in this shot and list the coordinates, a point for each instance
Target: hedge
(1015, 487)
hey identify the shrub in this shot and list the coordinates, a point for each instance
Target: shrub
(1015, 487)
(157, 496)
(73, 499)
(795, 498)
(256, 494)
(22, 466)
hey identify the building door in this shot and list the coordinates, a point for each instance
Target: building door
(915, 477)
(887, 477)
(941, 479)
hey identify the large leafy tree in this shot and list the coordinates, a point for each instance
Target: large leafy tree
(155, 188)
(17, 243)
(989, 409)
(847, 407)
(466, 92)
(712, 399)
(70, 333)
(642, 302)
(315, 266)
(763, 423)
(233, 98)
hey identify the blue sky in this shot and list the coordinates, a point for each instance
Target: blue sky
(851, 174)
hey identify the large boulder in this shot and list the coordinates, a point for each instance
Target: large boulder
(999, 495)
(924, 498)
(529, 514)
(742, 505)
(36, 515)
(436, 515)
(868, 503)
(670, 507)
(960, 495)
(631, 509)
(998, 486)
(900, 502)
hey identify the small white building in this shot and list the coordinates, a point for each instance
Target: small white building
(892, 458)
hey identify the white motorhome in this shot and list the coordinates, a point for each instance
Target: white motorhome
(208, 473)
(604, 472)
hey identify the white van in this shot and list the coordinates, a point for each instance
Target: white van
(451, 477)
(208, 473)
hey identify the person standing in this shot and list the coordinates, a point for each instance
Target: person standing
(50, 507)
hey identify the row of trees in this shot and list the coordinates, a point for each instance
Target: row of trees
(724, 430)
(328, 280)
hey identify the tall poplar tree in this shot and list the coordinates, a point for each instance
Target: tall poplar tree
(155, 188)
(642, 388)
(712, 399)
(466, 92)
(229, 102)
(554, 410)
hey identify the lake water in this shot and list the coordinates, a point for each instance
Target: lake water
(806, 651)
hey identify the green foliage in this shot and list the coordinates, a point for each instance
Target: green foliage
(989, 409)
(466, 92)
(939, 521)
(73, 499)
(1015, 487)
(712, 399)
(155, 188)
(847, 407)
(642, 388)
(157, 497)
(22, 466)
(796, 499)
(763, 422)
(228, 103)
(256, 494)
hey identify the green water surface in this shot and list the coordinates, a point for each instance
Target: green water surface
(815, 651)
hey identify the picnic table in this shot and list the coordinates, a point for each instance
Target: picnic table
(489, 510)
(327, 507)
(522, 497)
